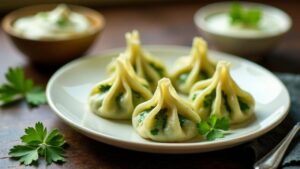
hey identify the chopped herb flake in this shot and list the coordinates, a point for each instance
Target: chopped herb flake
(246, 17)
(183, 77)
(154, 131)
(158, 69)
(104, 87)
(227, 106)
(208, 100)
(182, 120)
(244, 106)
(214, 127)
(204, 75)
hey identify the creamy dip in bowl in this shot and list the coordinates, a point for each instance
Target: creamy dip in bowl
(59, 23)
(53, 34)
(213, 21)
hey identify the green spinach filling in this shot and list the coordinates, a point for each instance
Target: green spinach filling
(104, 88)
(161, 121)
(158, 69)
(227, 106)
(244, 106)
(208, 99)
(183, 77)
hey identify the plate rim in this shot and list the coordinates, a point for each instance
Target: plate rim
(169, 148)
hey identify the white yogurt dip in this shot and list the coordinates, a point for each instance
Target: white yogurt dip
(220, 23)
(60, 23)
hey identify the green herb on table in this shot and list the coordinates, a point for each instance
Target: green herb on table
(214, 127)
(18, 87)
(37, 143)
(246, 17)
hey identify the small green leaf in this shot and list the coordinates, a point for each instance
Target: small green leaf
(203, 128)
(36, 96)
(214, 134)
(34, 136)
(25, 153)
(17, 87)
(54, 154)
(212, 120)
(222, 123)
(38, 143)
(214, 127)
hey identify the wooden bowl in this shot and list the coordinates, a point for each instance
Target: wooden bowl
(53, 52)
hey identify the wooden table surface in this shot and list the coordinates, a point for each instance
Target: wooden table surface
(158, 24)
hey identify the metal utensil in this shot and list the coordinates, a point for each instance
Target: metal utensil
(274, 157)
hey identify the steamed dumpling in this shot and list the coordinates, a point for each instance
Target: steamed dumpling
(117, 96)
(165, 117)
(222, 97)
(189, 70)
(144, 64)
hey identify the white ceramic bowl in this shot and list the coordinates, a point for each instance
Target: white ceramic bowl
(245, 45)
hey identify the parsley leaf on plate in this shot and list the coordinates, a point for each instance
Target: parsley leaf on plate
(213, 127)
(18, 87)
(38, 144)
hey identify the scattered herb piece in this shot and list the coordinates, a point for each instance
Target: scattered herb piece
(194, 96)
(204, 75)
(18, 87)
(161, 121)
(158, 69)
(183, 77)
(246, 17)
(244, 106)
(214, 127)
(62, 22)
(104, 87)
(144, 114)
(38, 144)
(227, 106)
(208, 100)
(154, 131)
(182, 120)
(136, 98)
(119, 99)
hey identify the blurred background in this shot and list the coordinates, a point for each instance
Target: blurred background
(164, 22)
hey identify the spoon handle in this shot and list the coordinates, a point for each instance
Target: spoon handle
(273, 158)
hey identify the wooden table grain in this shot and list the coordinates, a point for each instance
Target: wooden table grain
(158, 24)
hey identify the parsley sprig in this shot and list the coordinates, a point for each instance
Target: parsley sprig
(37, 143)
(18, 87)
(245, 17)
(214, 127)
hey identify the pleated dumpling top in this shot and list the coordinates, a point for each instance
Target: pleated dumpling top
(144, 64)
(166, 117)
(191, 69)
(117, 96)
(222, 97)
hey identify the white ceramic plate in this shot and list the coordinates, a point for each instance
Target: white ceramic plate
(68, 89)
